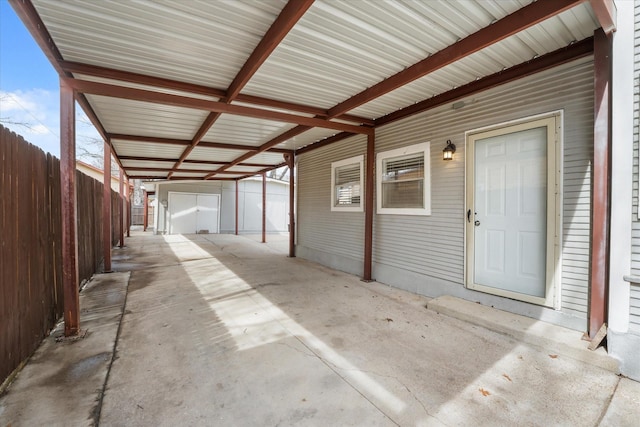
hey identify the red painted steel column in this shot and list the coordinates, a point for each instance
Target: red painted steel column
(121, 207)
(600, 217)
(264, 207)
(290, 159)
(128, 208)
(145, 211)
(368, 207)
(70, 280)
(106, 207)
(237, 184)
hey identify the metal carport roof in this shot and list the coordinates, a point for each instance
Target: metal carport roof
(222, 89)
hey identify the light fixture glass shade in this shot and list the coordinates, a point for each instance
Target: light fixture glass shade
(447, 153)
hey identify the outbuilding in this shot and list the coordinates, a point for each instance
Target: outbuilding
(210, 207)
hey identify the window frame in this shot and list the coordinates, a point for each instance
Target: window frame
(359, 160)
(425, 149)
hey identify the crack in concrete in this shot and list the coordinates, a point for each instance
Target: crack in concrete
(424, 407)
(97, 410)
(356, 389)
(297, 349)
(392, 377)
(608, 403)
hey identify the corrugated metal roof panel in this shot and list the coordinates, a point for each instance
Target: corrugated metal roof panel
(198, 42)
(572, 25)
(306, 138)
(268, 158)
(194, 175)
(214, 154)
(131, 164)
(144, 87)
(126, 117)
(245, 130)
(228, 176)
(248, 169)
(270, 108)
(543, 38)
(204, 166)
(146, 149)
(340, 48)
(135, 172)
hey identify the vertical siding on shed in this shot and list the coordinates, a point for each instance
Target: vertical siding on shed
(250, 206)
(228, 207)
(320, 229)
(433, 246)
(635, 232)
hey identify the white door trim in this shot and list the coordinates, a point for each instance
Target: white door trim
(554, 122)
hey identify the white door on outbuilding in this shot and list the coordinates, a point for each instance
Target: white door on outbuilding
(191, 213)
(208, 213)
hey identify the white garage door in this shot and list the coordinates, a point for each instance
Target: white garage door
(191, 213)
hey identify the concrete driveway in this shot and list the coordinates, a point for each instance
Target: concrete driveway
(225, 331)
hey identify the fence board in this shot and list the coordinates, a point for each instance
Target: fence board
(31, 298)
(137, 215)
(116, 209)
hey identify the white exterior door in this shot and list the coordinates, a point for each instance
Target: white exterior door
(182, 213)
(511, 217)
(207, 218)
(510, 214)
(191, 213)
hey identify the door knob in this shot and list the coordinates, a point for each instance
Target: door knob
(476, 223)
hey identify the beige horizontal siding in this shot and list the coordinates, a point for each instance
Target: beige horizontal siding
(433, 245)
(339, 233)
(634, 320)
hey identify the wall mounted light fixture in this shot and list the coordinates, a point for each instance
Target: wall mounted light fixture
(447, 153)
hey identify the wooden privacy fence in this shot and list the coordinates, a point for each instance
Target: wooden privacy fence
(30, 247)
(137, 215)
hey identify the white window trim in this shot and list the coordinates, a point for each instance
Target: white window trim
(411, 149)
(352, 160)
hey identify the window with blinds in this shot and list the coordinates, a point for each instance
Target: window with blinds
(403, 181)
(346, 184)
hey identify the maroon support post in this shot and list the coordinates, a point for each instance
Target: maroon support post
(145, 211)
(106, 207)
(368, 207)
(237, 183)
(70, 279)
(128, 208)
(600, 222)
(121, 206)
(264, 207)
(290, 159)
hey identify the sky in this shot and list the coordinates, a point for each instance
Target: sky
(29, 90)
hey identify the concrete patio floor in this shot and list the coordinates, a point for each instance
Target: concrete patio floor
(223, 330)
